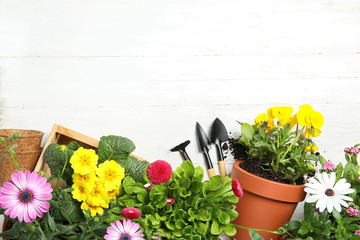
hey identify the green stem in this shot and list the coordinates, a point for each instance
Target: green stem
(292, 144)
(257, 230)
(63, 170)
(13, 157)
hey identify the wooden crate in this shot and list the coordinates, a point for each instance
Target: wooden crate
(63, 136)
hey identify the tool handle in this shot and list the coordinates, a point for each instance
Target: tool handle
(222, 168)
(208, 160)
(219, 152)
(211, 172)
(185, 156)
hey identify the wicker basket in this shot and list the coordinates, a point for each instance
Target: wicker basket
(26, 160)
(29, 140)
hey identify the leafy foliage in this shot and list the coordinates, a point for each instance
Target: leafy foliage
(333, 225)
(278, 150)
(201, 210)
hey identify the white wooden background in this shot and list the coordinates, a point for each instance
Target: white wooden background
(149, 70)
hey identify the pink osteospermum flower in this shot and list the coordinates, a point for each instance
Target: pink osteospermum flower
(159, 172)
(237, 189)
(124, 230)
(25, 196)
(329, 166)
(130, 213)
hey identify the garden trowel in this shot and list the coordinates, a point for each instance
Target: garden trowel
(219, 136)
(205, 146)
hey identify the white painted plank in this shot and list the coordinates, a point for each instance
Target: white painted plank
(170, 27)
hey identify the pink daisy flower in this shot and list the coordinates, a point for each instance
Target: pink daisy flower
(25, 196)
(125, 230)
(130, 213)
(237, 189)
(159, 172)
(170, 201)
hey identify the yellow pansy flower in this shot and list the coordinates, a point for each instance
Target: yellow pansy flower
(311, 148)
(88, 178)
(84, 161)
(97, 196)
(80, 191)
(110, 174)
(283, 114)
(263, 117)
(93, 209)
(310, 119)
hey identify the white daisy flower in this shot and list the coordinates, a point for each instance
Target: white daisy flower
(328, 194)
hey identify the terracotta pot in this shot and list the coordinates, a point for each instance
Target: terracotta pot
(28, 140)
(4, 226)
(26, 160)
(265, 204)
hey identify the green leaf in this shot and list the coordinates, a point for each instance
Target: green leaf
(229, 229)
(188, 168)
(51, 222)
(254, 235)
(134, 168)
(224, 218)
(56, 159)
(114, 148)
(74, 146)
(199, 173)
(247, 131)
(215, 228)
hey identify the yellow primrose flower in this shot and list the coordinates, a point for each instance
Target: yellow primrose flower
(93, 209)
(84, 161)
(88, 178)
(283, 114)
(80, 191)
(311, 148)
(111, 174)
(112, 194)
(97, 196)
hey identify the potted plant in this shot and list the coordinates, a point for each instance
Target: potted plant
(278, 146)
(79, 210)
(332, 208)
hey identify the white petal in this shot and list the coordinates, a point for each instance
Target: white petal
(313, 191)
(329, 204)
(332, 180)
(346, 198)
(335, 202)
(321, 204)
(313, 198)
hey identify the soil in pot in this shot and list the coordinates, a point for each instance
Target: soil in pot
(253, 166)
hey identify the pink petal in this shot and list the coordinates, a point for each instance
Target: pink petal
(19, 180)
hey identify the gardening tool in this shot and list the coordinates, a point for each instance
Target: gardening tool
(181, 149)
(219, 136)
(205, 146)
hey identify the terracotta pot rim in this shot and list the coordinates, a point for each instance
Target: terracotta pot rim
(264, 179)
(267, 188)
